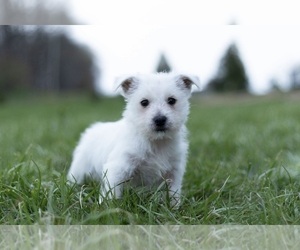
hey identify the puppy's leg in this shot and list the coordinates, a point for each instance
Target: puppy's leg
(175, 190)
(79, 168)
(174, 183)
(114, 176)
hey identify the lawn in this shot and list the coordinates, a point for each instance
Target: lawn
(243, 167)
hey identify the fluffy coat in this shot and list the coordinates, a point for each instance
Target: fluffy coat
(147, 146)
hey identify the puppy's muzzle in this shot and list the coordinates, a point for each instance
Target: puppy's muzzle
(160, 122)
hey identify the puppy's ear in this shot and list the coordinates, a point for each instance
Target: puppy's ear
(127, 84)
(186, 82)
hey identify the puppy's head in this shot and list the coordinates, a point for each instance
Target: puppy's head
(157, 104)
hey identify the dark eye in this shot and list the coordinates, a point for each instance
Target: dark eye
(171, 101)
(145, 103)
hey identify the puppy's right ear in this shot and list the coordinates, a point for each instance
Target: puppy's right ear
(127, 84)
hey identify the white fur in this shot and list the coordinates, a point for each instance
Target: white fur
(131, 149)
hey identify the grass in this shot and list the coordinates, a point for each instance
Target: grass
(243, 168)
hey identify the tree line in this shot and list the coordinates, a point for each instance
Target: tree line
(48, 59)
(37, 12)
(231, 74)
(43, 59)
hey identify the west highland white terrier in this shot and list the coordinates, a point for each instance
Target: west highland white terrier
(147, 146)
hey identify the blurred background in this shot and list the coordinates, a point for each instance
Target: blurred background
(75, 45)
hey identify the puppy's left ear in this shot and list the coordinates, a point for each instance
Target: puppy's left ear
(127, 84)
(185, 82)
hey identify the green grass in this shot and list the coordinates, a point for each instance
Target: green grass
(243, 168)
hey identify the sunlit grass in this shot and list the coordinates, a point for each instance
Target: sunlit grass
(243, 168)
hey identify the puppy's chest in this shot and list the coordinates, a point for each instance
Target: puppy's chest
(150, 169)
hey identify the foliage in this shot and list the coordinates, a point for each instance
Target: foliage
(43, 59)
(231, 75)
(163, 65)
(243, 164)
(35, 12)
(295, 78)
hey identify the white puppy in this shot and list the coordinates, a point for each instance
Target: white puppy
(148, 145)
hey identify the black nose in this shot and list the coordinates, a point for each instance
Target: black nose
(160, 121)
